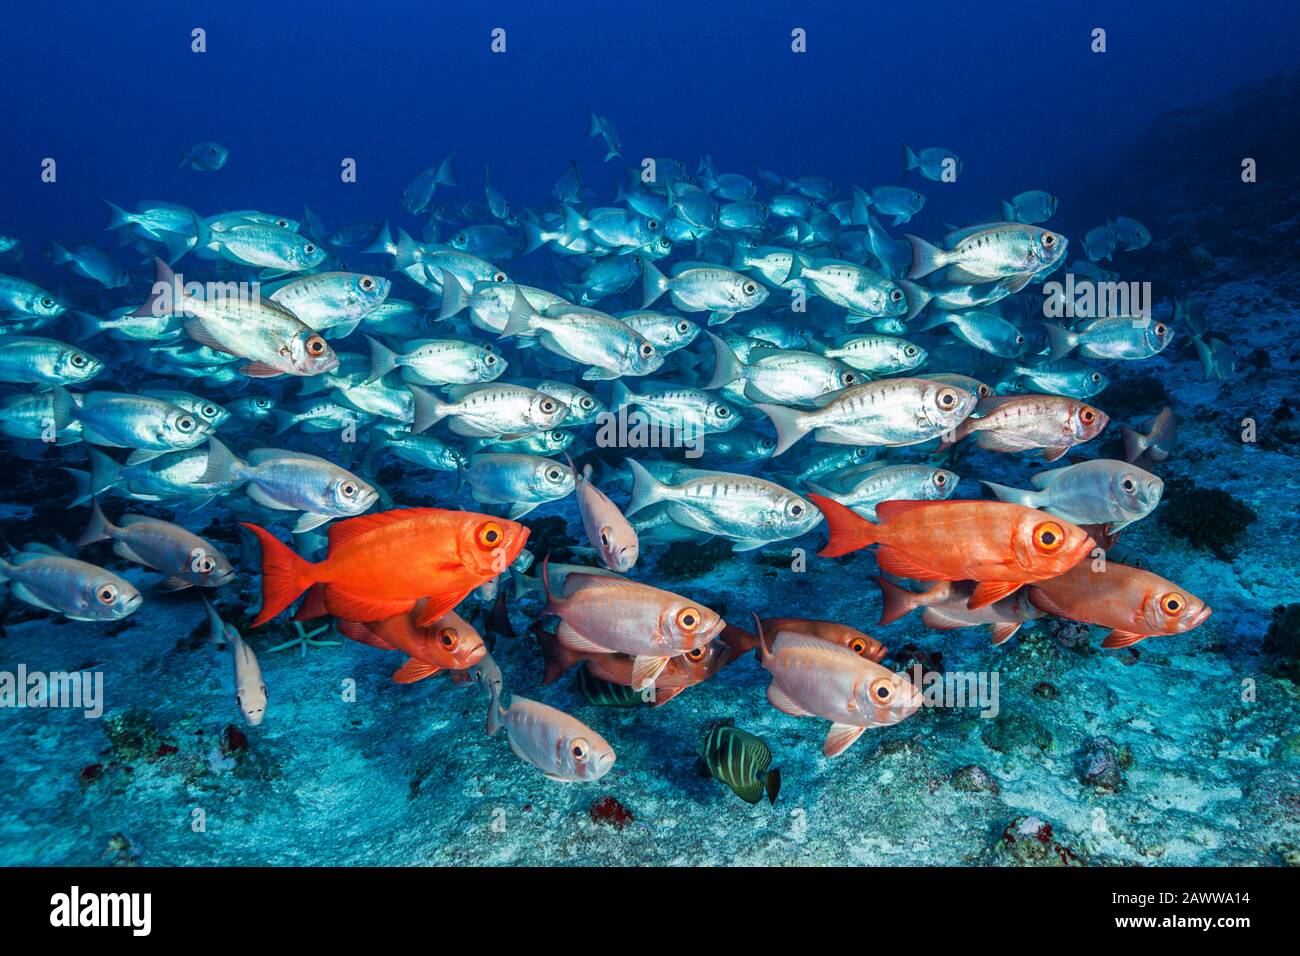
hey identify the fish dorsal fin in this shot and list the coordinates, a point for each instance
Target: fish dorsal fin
(345, 531)
(259, 455)
(1044, 479)
(887, 511)
(576, 581)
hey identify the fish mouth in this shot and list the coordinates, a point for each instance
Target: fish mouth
(603, 764)
(1199, 617)
(129, 605)
(476, 655)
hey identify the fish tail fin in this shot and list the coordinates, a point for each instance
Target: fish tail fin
(494, 709)
(118, 218)
(283, 420)
(428, 410)
(519, 321)
(1015, 496)
(222, 463)
(406, 251)
(284, 574)
(791, 424)
(185, 157)
(898, 601)
(202, 233)
(454, 297)
(646, 489)
(1060, 340)
(925, 257)
(381, 242)
(58, 254)
(533, 238)
(918, 297)
(1135, 443)
(764, 649)
(63, 408)
(621, 396)
(99, 528)
(726, 366)
(849, 531)
(558, 658)
(104, 474)
(653, 284)
(164, 289)
(382, 359)
(1008, 211)
(445, 176)
(772, 784)
(910, 160)
(574, 224)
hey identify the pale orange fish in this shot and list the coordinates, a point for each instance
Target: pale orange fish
(815, 678)
(611, 615)
(864, 645)
(561, 746)
(1029, 422)
(1000, 546)
(1133, 603)
(609, 532)
(449, 643)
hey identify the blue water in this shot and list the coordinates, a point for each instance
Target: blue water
(1206, 770)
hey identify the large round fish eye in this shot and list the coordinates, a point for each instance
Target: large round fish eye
(647, 350)
(896, 296)
(186, 424)
(349, 489)
(547, 406)
(947, 398)
(316, 345)
(78, 360)
(1172, 603)
(579, 749)
(367, 283)
(553, 474)
(1048, 536)
(688, 619)
(448, 637)
(749, 288)
(106, 594)
(1049, 240)
(882, 690)
(498, 277)
(489, 534)
(309, 248)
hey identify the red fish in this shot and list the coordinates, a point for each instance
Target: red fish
(998, 545)
(945, 608)
(449, 643)
(378, 566)
(1135, 604)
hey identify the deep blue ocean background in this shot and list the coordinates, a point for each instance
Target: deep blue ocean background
(112, 90)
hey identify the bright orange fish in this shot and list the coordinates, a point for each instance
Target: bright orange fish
(999, 545)
(379, 565)
(1135, 604)
(449, 643)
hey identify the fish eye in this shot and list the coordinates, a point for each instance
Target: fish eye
(489, 534)
(547, 405)
(1127, 484)
(796, 509)
(984, 391)
(47, 302)
(947, 398)
(665, 243)
(647, 350)
(882, 690)
(604, 537)
(896, 296)
(78, 359)
(309, 248)
(579, 749)
(185, 423)
(205, 564)
(1020, 340)
(557, 437)
(858, 646)
(653, 224)
(940, 478)
(696, 653)
(316, 345)
(106, 594)
(723, 412)
(1048, 536)
(749, 288)
(282, 223)
(448, 637)
(586, 402)
(1160, 330)
(498, 277)
(1049, 240)
(683, 327)
(367, 284)
(553, 474)
(688, 619)
(1172, 603)
(849, 378)
(767, 442)
(1088, 416)
(460, 239)
(910, 351)
(1095, 376)
(348, 489)
(210, 411)
(263, 403)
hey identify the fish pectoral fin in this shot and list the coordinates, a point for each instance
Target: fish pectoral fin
(1053, 453)
(260, 497)
(1122, 639)
(646, 670)
(141, 455)
(260, 370)
(175, 583)
(747, 544)
(437, 605)
(356, 631)
(519, 509)
(840, 738)
(784, 702)
(896, 562)
(1040, 599)
(986, 592)
(357, 607)
(571, 639)
(413, 671)
(309, 521)
(1003, 632)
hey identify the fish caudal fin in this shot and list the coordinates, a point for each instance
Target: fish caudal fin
(1060, 340)
(772, 784)
(1134, 444)
(99, 528)
(162, 298)
(428, 411)
(558, 658)
(726, 366)
(898, 601)
(646, 489)
(653, 284)
(382, 359)
(849, 531)
(791, 424)
(925, 257)
(284, 574)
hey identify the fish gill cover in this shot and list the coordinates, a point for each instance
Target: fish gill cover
(837, 435)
